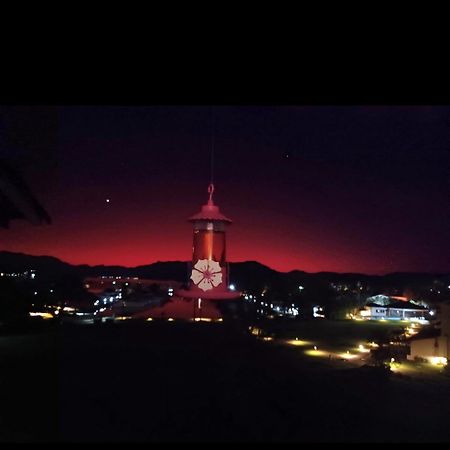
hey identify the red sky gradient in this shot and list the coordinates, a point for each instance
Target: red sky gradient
(141, 238)
(315, 188)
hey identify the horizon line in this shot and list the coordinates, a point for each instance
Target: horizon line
(230, 262)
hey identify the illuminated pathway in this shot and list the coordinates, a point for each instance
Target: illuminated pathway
(359, 356)
(355, 356)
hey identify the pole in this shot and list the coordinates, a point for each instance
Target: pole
(212, 144)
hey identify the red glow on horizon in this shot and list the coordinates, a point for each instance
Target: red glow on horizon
(141, 246)
(126, 234)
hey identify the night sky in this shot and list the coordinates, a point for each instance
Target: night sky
(346, 189)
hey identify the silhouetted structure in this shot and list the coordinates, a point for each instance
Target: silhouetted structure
(16, 199)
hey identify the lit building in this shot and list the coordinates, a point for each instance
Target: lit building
(397, 310)
(433, 343)
(97, 285)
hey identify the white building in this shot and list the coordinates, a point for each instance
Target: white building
(397, 310)
(433, 344)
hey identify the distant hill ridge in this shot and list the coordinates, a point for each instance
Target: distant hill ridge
(248, 272)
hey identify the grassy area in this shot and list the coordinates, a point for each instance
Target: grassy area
(337, 335)
(173, 381)
(337, 346)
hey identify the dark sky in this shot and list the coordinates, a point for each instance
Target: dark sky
(360, 189)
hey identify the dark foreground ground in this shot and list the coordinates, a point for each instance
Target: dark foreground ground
(199, 382)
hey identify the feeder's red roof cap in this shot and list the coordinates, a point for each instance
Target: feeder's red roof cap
(209, 211)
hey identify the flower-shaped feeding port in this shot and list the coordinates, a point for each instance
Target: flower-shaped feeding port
(206, 274)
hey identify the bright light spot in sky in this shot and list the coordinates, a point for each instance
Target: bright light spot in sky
(107, 200)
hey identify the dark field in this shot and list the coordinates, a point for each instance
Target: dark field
(171, 381)
(338, 334)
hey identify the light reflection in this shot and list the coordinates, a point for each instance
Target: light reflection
(438, 360)
(315, 353)
(362, 349)
(298, 342)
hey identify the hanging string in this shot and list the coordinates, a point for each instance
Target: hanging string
(212, 144)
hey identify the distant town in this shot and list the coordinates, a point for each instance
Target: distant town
(414, 309)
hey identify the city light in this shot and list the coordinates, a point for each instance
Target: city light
(44, 315)
(315, 352)
(362, 349)
(438, 361)
(297, 342)
(232, 287)
(318, 311)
